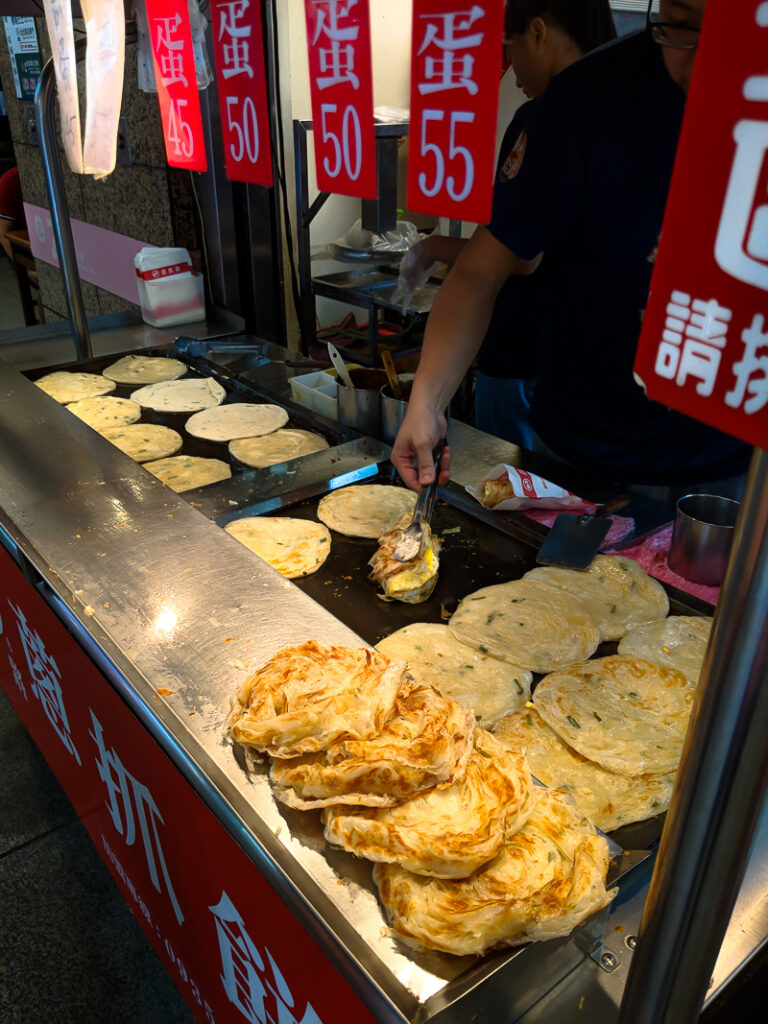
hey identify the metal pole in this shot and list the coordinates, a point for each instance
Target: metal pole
(62, 226)
(718, 793)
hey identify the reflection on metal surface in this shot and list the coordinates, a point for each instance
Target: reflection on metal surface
(166, 622)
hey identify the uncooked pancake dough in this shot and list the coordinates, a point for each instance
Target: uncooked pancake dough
(186, 472)
(488, 686)
(617, 592)
(679, 641)
(281, 446)
(181, 395)
(106, 412)
(144, 441)
(527, 623)
(607, 799)
(145, 370)
(68, 387)
(237, 419)
(626, 714)
(295, 547)
(368, 510)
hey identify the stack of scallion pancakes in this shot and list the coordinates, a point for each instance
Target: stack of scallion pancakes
(427, 756)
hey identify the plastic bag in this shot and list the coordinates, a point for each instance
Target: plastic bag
(198, 25)
(412, 277)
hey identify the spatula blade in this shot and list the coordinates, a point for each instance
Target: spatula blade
(573, 541)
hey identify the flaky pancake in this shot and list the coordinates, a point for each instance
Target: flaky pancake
(189, 395)
(144, 442)
(617, 592)
(367, 510)
(135, 369)
(489, 686)
(281, 446)
(527, 623)
(105, 412)
(186, 472)
(607, 799)
(65, 386)
(547, 879)
(449, 831)
(427, 741)
(295, 547)
(679, 641)
(236, 420)
(309, 697)
(413, 581)
(626, 714)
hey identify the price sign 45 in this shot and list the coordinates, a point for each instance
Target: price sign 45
(179, 131)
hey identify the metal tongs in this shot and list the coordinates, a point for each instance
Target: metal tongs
(409, 545)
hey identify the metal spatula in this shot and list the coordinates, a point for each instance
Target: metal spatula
(409, 544)
(573, 541)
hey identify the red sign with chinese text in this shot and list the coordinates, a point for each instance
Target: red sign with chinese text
(704, 344)
(455, 57)
(339, 44)
(231, 945)
(174, 62)
(242, 90)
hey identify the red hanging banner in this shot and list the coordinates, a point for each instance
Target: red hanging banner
(455, 58)
(339, 43)
(704, 344)
(242, 90)
(176, 79)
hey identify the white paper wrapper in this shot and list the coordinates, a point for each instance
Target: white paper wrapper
(531, 492)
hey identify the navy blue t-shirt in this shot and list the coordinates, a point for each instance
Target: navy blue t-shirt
(513, 341)
(590, 193)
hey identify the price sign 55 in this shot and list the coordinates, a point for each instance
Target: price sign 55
(177, 83)
(242, 90)
(339, 43)
(455, 69)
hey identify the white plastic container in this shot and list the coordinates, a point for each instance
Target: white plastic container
(317, 391)
(169, 291)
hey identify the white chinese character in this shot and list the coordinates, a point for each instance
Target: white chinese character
(751, 372)
(741, 246)
(692, 341)
(17, 677)
(46, 681)
(169, 46)
(129, 800)
(245, 978)
(451, 70)
(236, 51)
(337, 61)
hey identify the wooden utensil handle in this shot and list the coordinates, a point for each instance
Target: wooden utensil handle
(394, 380)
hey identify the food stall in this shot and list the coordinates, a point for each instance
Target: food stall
(130, 621)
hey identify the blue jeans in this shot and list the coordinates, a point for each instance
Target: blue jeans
(502, 405)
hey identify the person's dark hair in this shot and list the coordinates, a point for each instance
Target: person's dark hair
(588, 22)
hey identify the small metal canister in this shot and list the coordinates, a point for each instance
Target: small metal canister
(360, 407)
(392, 414)
(702, 537)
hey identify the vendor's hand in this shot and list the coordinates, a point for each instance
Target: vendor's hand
(415, 442)
(416, 267)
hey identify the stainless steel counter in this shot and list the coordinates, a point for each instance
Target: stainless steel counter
(162, 598)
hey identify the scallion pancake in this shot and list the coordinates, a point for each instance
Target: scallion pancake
(679, 641)
(295, 547)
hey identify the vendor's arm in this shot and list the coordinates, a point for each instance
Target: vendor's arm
(454, 333)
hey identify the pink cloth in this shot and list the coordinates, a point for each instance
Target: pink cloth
(621, 526)
(652, 553)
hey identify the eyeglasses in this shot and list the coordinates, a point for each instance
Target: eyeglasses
(675, 35)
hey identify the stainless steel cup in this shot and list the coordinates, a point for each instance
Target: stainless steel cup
(360, 407)
(702, 536)
(392, 414)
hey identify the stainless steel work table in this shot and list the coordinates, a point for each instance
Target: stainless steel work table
(115, 550)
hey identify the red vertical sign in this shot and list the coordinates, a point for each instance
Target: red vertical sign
(176, 79)
(233, 948)
(704, 344)
(242, 90)
(339, 42)
(455, 57)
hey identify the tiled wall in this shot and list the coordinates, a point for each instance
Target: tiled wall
(148, 200)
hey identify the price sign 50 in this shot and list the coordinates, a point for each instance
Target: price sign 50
(339, 40)
(455, 70)
(242, 90)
